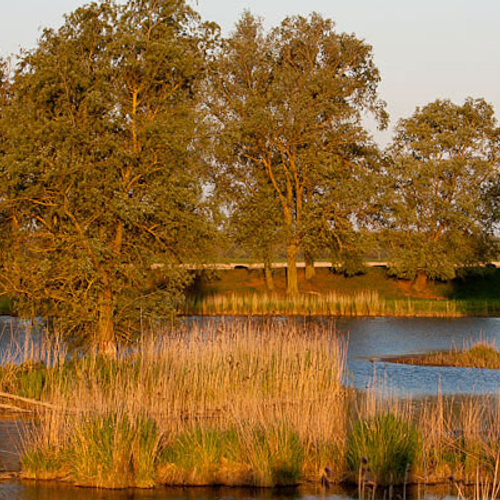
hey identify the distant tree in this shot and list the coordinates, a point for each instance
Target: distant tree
(101, 175)
(288, 105)
(444, 158)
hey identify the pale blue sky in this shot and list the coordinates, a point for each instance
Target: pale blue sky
(425, 49)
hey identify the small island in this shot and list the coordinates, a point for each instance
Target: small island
(479, 355)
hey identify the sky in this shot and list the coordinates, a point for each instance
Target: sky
(425, 49)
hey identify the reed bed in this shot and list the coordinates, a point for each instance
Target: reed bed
(364, 303)
(243, 403)
(437, 440)
(238, 403)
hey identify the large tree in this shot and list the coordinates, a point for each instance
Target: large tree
(289, 104)
(443, 160)
(100, 176)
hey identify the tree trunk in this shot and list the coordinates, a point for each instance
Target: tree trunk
(310, 272)
(268, 274)
(106, 342)
(420, 283)
(292, 286)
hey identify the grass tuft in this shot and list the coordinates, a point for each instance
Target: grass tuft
(387, 444)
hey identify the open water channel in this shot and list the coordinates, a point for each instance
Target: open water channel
(370, 342)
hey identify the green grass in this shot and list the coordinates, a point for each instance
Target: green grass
(243, 455)
(108, 451)
(384, 448)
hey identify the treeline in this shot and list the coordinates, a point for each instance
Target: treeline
(136, 138)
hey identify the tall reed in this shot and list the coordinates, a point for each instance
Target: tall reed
(364, 303)
(277, 389)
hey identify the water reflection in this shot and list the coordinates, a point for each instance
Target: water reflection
(50, 491)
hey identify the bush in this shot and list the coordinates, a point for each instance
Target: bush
(247, 455)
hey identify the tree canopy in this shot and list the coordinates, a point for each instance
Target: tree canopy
(128, 134)
(442, 162)
(100, 175)
(288, 104)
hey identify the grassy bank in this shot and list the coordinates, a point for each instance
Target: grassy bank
(242, 291)
(240, 404)
(364, 303)
(478, 355)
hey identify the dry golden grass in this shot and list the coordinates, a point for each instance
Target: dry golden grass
(250, 378)
(360, 303)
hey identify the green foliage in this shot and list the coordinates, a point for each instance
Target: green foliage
(389, 443)
(256, 224)
(100, 177)
(444, 160)
(288, 106)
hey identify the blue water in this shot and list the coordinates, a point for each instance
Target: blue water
(370, 340)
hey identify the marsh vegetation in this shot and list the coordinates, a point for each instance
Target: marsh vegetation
(240, 403)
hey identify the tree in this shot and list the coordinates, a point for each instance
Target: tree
(288, 105)
(101, 174)
(444, 158)
(256, 224)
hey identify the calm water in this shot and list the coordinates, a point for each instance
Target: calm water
(370, 340)
(27, 491)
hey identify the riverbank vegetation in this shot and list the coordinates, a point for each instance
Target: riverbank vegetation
(243, 404)
(240, 403)
(335, 304)
(372, 293)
